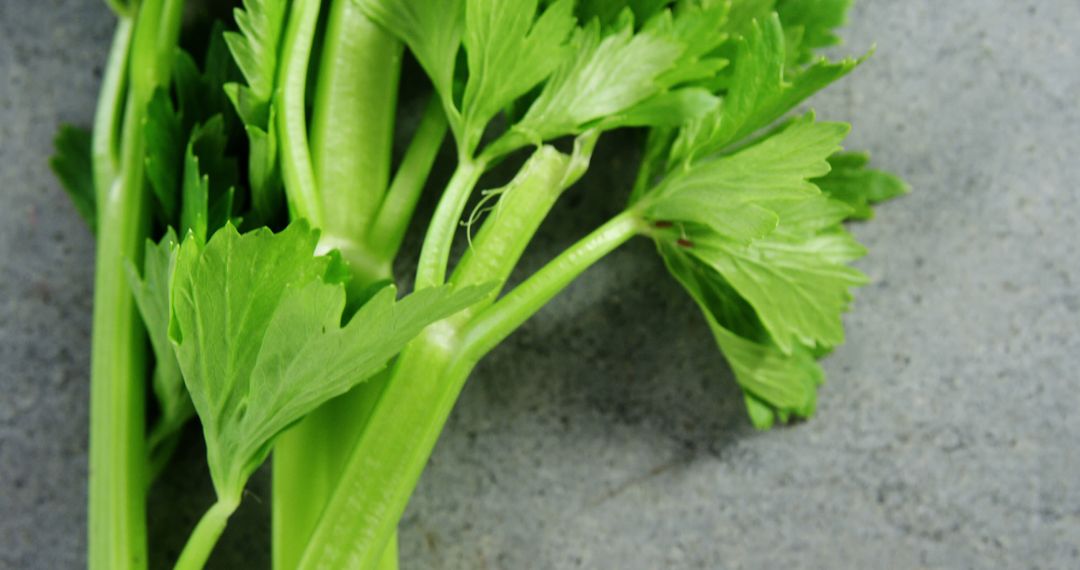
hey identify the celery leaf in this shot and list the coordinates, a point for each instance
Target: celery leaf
(606, 75)
(851, 182)
(776, 385)
(762, 250)
(758, 93)
(255, 50)
(164, 153)
(151, 292)
(73, 165)
(809, 25)
(730, 194)
(258, 332)
(433, 31)
(510, 51)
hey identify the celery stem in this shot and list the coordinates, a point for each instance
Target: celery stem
(495, 323)
(510, 226)
(390, 554)
(206, 534)
(116, 532)
(296, 169)
(350, 145)
(405, 423)
(109, 114)
(435, 253)
(352, 127)
(392, 221)
(382, 470)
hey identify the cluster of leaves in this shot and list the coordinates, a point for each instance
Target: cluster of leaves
(744, 195)
(748, 213)
(250, 331)
(747, 206)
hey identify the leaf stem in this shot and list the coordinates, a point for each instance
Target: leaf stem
(352, 125)
(109, 114)
(495, 323)
(523, 204)
(390, 554)
(118, 463)
(296, 168)
(384, 466)
(117, 521)
(392, 220)
(206, 534)
(351, 144)
(435, 253)
(308, 462)
(405, 423)
(510, 226)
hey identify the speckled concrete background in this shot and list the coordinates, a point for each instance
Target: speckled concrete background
(606, 434)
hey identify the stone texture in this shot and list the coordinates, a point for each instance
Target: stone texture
(607, 434)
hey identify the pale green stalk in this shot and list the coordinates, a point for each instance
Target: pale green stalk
(296, 169)
(206, 534)
(118, 463)
(406, 422)
(392, 221)
(435, 253)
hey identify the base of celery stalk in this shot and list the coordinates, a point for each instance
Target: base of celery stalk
(206, 534)
(362, 515)
(307, 464)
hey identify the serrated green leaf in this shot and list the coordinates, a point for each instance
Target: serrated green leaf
(255, 50)
(812, 24)
(608, 12)
(209, 179)
(744, 13)
(188, 83)
(732, 194)
(201, 93)
(758, 221)
(606, 76)
(433, 31)
(776, 385)
(255, 46)
(72, 164)
(261, 342)
(510, 50)
(851, 182)
(151, 292)
(667, 109)
(164, 153)
(739, 221)
(808, 216)
(701, 28)
(798, 293)
(758, 93)
(195, 205)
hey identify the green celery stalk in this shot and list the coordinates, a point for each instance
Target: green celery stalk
(492, 325)
(117, 487)
(391, 453)
(202, 540)
(388, 228)
(296, 169)
(309, 458)
(108, 117)
(351, 143)
(352, 128)
(435, 253)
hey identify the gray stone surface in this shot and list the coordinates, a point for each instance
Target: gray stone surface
(606, 434)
